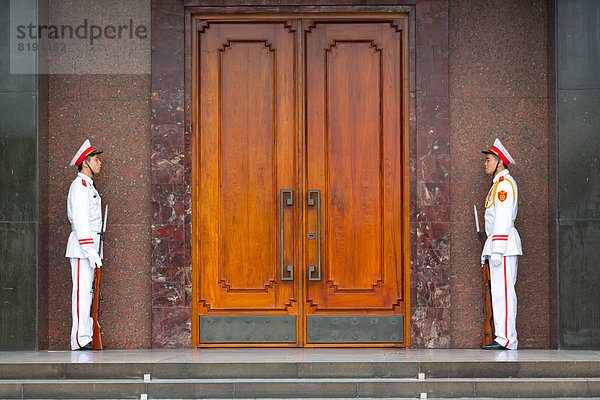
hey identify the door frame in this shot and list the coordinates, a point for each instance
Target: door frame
(400, 15)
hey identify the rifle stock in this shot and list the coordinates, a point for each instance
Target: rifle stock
(97, 333)
(488, 325)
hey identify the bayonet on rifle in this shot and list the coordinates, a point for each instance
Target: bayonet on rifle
(100, 246)
(480, 234)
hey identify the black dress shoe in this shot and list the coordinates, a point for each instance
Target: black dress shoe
(493, 346)
(86, 347)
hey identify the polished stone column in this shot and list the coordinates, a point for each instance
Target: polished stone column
(19, 217)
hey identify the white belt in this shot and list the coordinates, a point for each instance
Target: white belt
(512, 225)
(93, 228)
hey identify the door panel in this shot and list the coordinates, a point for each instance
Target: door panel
(248, 163)
(353, 195)
(354, 159)
(246, 148)
(300, 231)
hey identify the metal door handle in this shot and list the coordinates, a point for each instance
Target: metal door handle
(288, 202)
(311, 203)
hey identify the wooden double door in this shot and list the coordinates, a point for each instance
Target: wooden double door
(300, 181)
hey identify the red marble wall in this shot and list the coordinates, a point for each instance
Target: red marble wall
(113, 111)
(478, 70)
(171, 154)
(498, 88)
(430, 205)
(171, 180)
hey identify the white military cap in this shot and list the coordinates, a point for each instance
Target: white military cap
(499, 150)
(84, 151)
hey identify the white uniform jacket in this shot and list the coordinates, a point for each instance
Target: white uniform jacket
(84, 209)
(500, 214)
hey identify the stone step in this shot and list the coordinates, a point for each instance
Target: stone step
(281, 370)
(300, 388)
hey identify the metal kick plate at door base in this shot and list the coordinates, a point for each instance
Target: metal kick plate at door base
(355, 328)
(247, 329)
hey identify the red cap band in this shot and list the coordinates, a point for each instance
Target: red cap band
(83, 156)
(499, 154)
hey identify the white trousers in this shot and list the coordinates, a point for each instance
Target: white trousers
(83, 276)
(504, 301)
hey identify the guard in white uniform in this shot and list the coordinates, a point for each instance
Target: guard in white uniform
(503, 246)
(84, 210)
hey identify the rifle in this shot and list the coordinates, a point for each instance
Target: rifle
(97, 333)
(488, 326)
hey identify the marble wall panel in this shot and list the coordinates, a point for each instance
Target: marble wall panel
(171, 327)
(463, 68)
(126, 308)
(170, 160)
(498, 48)
(430, 285)
(429, 132)
(498, 88)
(478, 70)
(59, 287)
(113, 111)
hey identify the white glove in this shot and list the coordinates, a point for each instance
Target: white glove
(496, 260)
(95, 260)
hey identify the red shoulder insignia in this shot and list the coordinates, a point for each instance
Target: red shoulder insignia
(501, 179)
(83, 182)
(502, 195)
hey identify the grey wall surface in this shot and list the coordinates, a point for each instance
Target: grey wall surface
(578, 125)
(18, 200)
